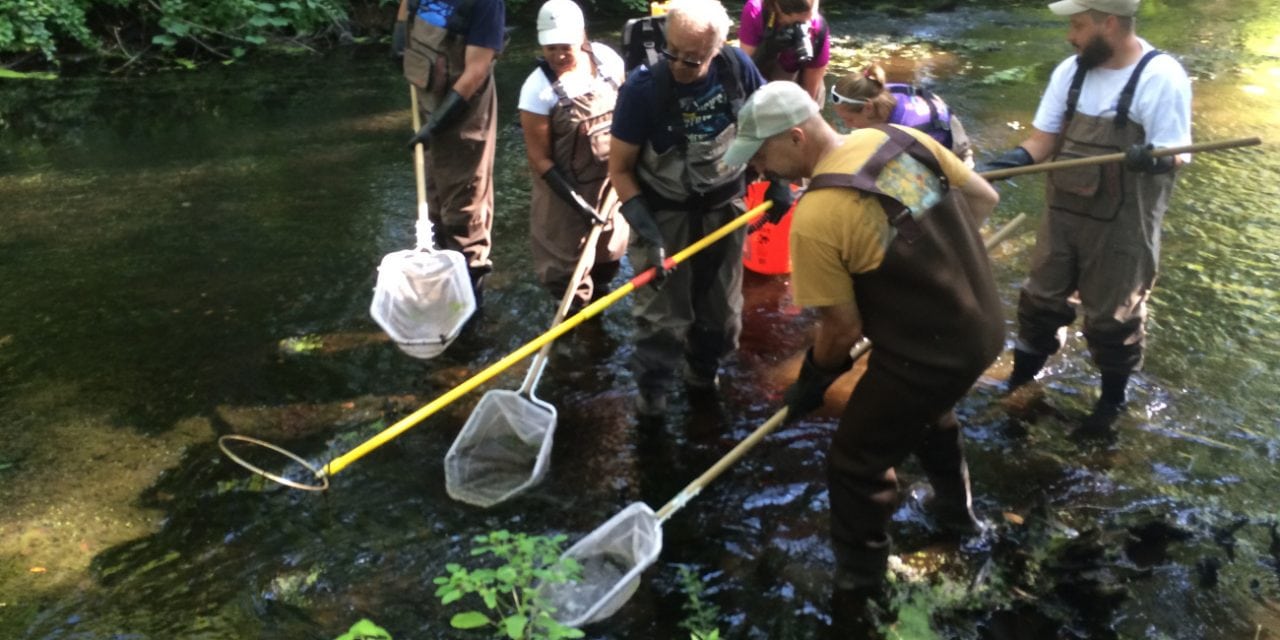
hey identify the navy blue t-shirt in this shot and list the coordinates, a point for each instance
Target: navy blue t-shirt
(488, 20)
(638, 118)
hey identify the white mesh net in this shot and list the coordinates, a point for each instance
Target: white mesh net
(612, 556)
(504, 448)
(423, 299)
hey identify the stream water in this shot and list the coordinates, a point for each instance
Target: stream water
(192, 253)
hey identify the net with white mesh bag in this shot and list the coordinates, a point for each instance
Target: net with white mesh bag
(505, 446)
(423, 296)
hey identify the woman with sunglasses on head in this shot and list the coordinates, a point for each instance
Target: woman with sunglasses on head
(566, 109)
(866, 100)
(787, 40)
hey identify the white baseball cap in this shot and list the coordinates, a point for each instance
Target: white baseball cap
(1114, 7)
(772, 109)
(560, 22)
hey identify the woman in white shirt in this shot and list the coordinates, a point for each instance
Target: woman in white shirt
(566, 109)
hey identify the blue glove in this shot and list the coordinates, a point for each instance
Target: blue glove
(1015, 157)
(805, 394)
(1138, 158)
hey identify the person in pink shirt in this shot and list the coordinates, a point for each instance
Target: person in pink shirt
(787, 40)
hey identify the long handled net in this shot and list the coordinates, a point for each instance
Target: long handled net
(614, 554)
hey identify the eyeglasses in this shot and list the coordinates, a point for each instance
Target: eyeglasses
(836, 98)
(672, 57)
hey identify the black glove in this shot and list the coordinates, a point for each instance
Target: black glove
(805, 394)
(446, 115)
(559, 184)
(645, 231)
(1015, 157)
(1139, 158)
(779, 191)
(399, 36)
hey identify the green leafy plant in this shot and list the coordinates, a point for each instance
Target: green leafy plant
(700, 615)
(512, 605)
(365, 630)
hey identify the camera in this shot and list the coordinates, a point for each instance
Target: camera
(798, 34)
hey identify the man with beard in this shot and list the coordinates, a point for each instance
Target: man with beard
(1100, 237)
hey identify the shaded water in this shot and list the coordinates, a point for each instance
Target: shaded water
(160, 237)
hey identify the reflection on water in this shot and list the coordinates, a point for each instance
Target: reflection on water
(163, 239)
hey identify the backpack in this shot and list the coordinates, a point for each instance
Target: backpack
(642, 40)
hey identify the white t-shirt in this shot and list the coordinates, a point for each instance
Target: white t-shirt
(1161, 103)
(537, 96)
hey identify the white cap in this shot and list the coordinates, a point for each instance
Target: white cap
(1114, 7)
(560, 22)
(772, 109)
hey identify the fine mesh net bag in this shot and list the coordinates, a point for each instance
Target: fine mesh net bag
(504, 448)
(422, 299)
(612, 556)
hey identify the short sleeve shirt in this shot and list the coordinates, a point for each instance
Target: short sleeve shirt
(488, 24)
(703, 105)
(838, 233)
(751, 32)
(1161, 101)
(537, 96)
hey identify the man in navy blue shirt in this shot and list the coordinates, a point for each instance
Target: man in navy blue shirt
(671, 127)
(448, 58)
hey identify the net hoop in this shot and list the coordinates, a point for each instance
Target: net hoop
(292, 484)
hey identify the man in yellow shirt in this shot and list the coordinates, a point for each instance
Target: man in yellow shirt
(884, 244)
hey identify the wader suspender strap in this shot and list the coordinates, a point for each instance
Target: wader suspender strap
(562, 97)
(864, 180)
(1126, 96)
(459, 21)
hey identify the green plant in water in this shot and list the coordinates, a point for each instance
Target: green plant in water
(700, 615)
(512, 605)
(365, 630)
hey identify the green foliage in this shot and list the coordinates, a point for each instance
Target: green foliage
(512, 605)
(222, 28)
(700, 615)
(36, 25)
(365, 630)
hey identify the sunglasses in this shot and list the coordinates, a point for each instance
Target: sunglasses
(836, 98)
(672, 57)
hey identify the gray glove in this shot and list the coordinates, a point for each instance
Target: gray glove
(399, 36)
(1138, 158)
(805, 394)
(1015, 157)
(448, 114)
(779, 191)
(560, 185)
(640, 218)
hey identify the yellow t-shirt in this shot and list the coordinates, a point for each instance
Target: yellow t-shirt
(836, 233)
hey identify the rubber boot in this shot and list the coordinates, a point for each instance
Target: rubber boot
(1025, 367)
(1109, 407)
(859, 592)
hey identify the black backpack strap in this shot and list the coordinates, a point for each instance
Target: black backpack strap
(731, 71)
(864, 180)
(1126, 95)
